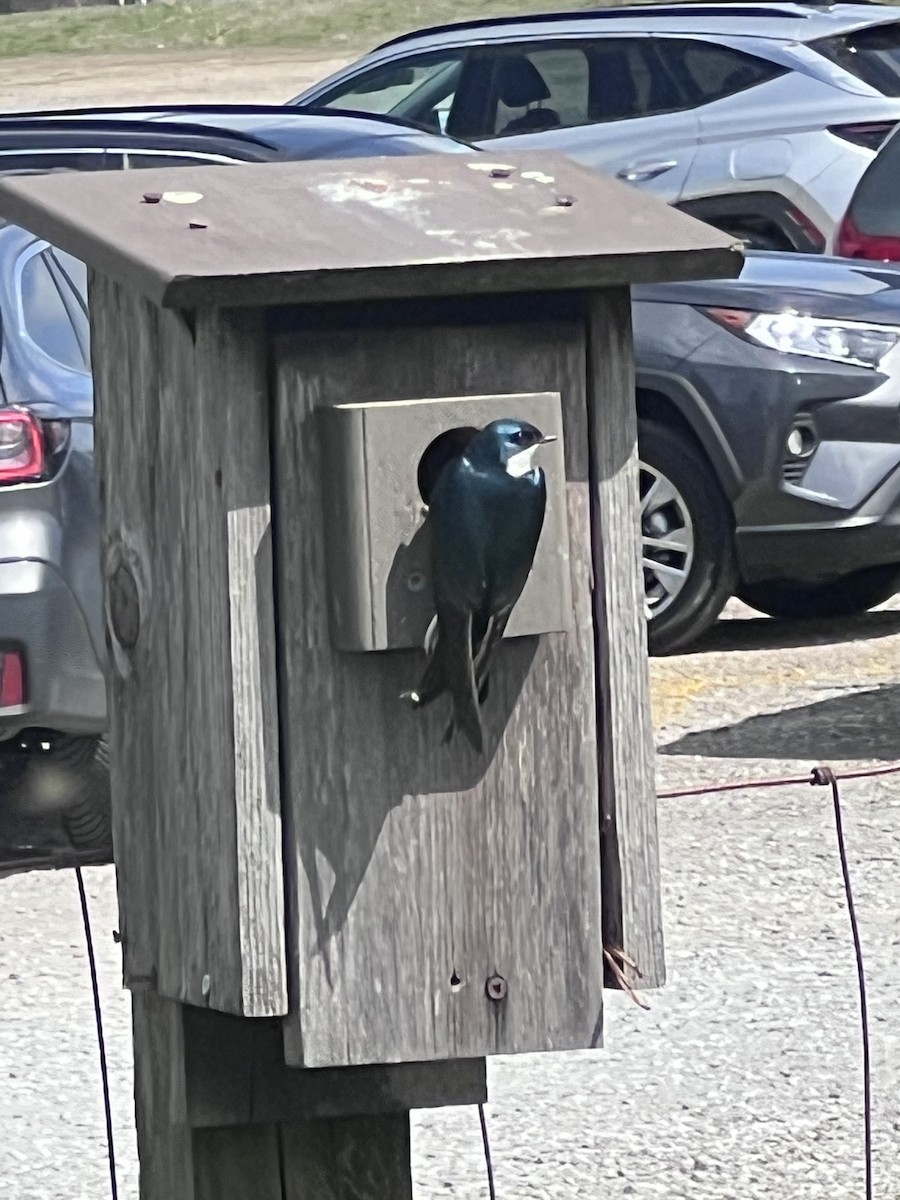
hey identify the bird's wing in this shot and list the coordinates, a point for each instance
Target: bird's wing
(460, 537)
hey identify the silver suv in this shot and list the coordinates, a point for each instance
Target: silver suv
(758, 118)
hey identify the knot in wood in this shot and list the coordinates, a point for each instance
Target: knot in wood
(124, 606)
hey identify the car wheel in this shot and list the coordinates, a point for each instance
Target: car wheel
(87, 817)
(688, 542)
(848, 596)
(67, 786)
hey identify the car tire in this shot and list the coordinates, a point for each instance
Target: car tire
(682, 504)
(849, 596)
(87, 817)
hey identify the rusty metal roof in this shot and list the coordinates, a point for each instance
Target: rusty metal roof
(279, 233)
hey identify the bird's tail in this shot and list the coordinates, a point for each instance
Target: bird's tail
(450, 667)
(455, 648)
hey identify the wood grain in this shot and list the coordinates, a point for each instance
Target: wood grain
(164, 1141)
(315, 232)
(183, 454)
(632, 907)
(236, 1075)
(268, 1153)
(238, 1164)
(352, 1158)
(415, 861)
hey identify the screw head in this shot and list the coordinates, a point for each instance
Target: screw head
(496, 988)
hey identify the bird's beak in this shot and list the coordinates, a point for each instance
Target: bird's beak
(548, 437)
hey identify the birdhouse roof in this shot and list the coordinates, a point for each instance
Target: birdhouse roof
(299, 232)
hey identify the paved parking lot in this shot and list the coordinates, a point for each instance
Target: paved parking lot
(743, 1081)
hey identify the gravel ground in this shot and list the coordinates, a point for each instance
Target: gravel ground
(236, 77)
(744, 1078)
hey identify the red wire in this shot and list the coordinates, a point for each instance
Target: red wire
(788, 781)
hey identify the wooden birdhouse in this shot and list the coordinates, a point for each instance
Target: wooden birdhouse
(309, 876)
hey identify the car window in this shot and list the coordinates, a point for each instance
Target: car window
(70, 276)
(136, 162)
(872, 55)
(420, 89)
(570, 83)
(540, 89)
(45, 316)
(73, 269)
(875, 208)
(58, 160)
(704, 72)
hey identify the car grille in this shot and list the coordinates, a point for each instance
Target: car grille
(793, 469)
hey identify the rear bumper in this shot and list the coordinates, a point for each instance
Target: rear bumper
(64, 681)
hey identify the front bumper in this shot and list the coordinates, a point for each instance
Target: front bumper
(64, 682)
(821, 550)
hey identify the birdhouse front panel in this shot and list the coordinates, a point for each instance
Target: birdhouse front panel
(380, 590)
(444, 899)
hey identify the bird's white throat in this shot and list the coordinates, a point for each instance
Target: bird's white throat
(520, 463)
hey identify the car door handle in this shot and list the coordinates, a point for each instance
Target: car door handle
(638, 172)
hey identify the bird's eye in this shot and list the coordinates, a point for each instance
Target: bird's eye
(520, 437)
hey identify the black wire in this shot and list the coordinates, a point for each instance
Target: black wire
(831, 779)
(488, 1162)
(98, 1016)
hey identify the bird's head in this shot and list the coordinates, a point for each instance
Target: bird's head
(510, 444)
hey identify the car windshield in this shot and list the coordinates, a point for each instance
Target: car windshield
(872, 55)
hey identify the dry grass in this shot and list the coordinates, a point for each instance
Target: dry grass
(316, 26)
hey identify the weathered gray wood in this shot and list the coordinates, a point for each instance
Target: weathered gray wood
(310, 232)
(182, 435)
(414, 860)
(353, 1158)
(269, 1154)
(163, 1136)
(240, 1163)
(236, 1075)
(632, 908)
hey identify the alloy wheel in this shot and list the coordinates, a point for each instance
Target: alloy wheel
(667, 534)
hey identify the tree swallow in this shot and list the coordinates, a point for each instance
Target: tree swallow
(486, 511)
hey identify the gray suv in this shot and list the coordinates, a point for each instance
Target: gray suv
(758, 118)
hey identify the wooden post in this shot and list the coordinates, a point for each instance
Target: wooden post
(220, 1115)
(308, 876)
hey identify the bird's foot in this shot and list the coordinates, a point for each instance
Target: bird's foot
(616, 958)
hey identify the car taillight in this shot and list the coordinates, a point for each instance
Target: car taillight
(22, 458)
(851, 242)
(12, 678)
(869, 134)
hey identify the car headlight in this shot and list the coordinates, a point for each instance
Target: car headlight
(791, 332)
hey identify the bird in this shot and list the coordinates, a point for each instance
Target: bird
(486, 511)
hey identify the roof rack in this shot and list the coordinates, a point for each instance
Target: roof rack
(788, 9)
(122, 111)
